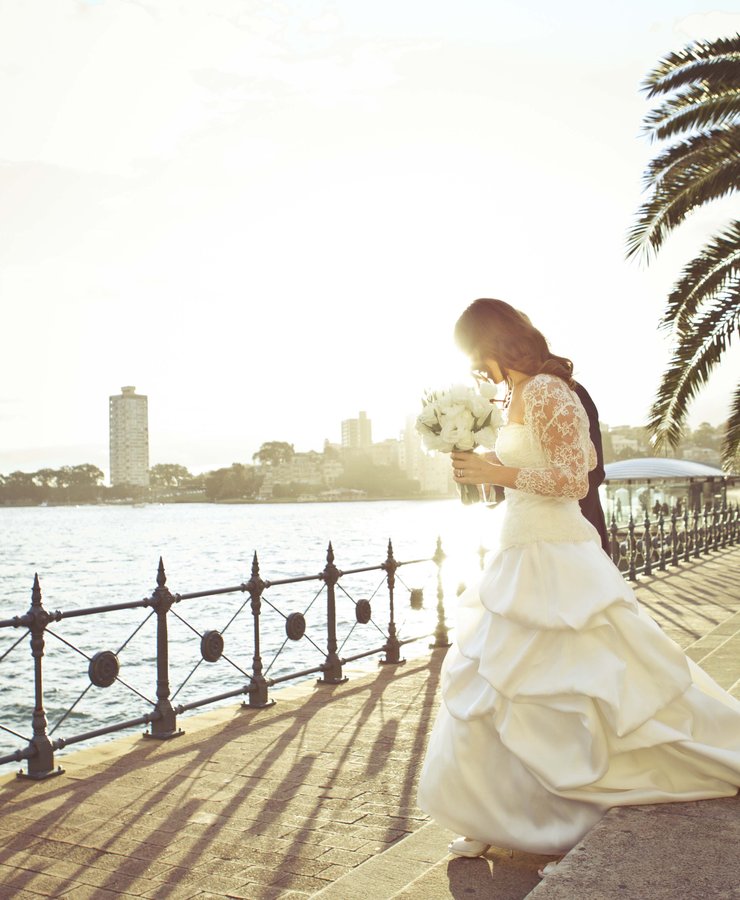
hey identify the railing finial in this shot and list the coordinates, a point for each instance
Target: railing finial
(36, 591)
(330, 554)
(255, 565)
(161, 577)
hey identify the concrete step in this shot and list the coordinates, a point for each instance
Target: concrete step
(661, 852)
(714, 638)
(419, 867)
(722, 662)
(382, 876)
(499, 875)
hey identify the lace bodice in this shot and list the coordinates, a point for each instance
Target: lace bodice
(558, 426)
(554, 454)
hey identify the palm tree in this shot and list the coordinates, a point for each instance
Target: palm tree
(699, 113)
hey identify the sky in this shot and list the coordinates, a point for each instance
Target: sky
(267, 216)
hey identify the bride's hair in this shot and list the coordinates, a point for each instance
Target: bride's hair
(491, 329)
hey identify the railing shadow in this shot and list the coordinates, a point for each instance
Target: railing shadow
(147, 812)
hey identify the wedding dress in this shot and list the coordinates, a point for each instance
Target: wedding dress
(561, 697)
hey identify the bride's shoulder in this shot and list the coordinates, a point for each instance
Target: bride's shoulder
(545, 384)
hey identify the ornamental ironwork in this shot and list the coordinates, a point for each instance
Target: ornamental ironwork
(103, 669)
(212, 646)
(295, 626)
(363, 611)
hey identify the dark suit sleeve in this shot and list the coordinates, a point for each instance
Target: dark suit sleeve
(591, 505)
(596, 476)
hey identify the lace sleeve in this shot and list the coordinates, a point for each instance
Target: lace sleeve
(560, 424)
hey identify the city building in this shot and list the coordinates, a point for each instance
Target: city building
(357, 433)
(386, 453)
(433, 471)
(129, 438)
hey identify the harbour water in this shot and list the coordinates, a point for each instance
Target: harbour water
(95, 555)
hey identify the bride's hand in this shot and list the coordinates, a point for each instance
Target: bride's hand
(472, 468)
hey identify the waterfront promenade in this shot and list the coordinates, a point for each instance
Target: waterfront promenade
(316, 794)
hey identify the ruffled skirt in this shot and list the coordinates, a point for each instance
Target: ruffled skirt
(561, 698)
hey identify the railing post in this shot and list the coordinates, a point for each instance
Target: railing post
(258, 696)
(615, 548)
(724, 520)
(695, 531)
(716, 525)
(392, 646)
(441, 636)
(632, 573)
(661, 542)
(648, 547)
(41, 764)
(707, 538)
(332, 664)
(686, 535)
(164, 726)
(674, 538)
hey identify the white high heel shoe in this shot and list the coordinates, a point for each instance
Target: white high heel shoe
(463, 847)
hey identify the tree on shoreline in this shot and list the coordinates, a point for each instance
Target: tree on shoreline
(700, 115)
(169, 475)
(272, 453)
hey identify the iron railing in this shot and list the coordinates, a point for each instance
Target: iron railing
(162, 718)
(681, 535)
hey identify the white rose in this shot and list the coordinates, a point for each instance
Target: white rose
(436, 442)
(486, 437)
(458, 431)
(428, 416)
(460, 393)
(480, 408)
(497, 418)
(466, 441)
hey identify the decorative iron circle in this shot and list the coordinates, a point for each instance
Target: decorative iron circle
(104, 668)
(211, 646)
(416, 598)
(363, 611)
(295, 626)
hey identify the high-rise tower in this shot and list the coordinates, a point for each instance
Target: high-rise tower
(129, 438)
(357, 433)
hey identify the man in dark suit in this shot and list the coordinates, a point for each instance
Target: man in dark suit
(591, 505)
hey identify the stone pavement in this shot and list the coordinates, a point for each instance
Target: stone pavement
(313, 796)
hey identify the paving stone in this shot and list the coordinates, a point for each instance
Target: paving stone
(86, 892)
(348, 858)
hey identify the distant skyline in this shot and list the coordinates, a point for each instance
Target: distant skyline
(268, 217)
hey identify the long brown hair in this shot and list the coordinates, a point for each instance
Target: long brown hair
(492, 329)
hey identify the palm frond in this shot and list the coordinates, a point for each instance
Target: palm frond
(716, 269)
(731, 443)
(694, 109)
(694, 358)
(701, 87)
(676, 195)
(659, 80)
(717, 72)
(699, 151)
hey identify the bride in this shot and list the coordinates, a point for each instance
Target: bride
(561, 697)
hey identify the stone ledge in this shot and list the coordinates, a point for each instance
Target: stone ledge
(662, 851)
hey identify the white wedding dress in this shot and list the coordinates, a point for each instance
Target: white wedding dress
(561, 697)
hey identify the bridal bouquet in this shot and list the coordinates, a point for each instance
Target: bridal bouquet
(460, 418)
